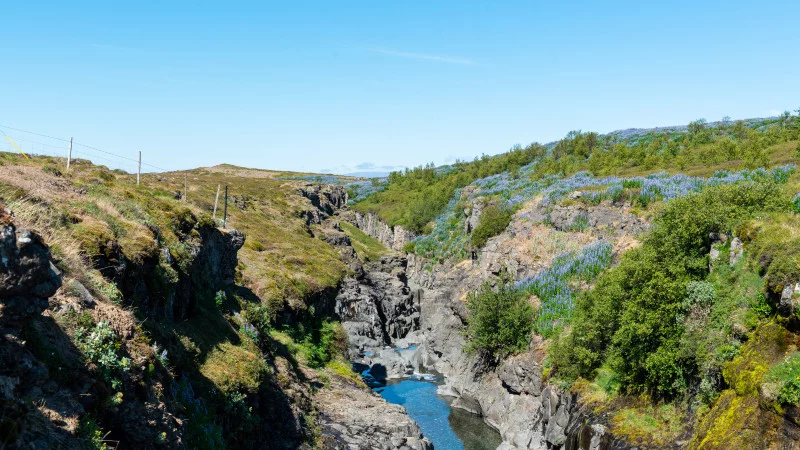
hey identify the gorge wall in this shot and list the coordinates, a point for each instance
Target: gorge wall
(393, 237)
(511, 397)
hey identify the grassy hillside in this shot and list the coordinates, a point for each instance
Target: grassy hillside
(222, 344)
(280, 262)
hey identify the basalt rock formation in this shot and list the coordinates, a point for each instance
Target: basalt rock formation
(325, 200)
(27, 275)
(393, 237)
(376, 305)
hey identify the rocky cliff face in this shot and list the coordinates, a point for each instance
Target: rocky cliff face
(51, 380)
(27, 279)
(609, 218)
(27, 275)
(376, 305)
(393, 237)
(511, 397)
(325, 200)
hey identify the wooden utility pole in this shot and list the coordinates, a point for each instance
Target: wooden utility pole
(139, 169)
(69, 157)
(216, 200)
(225, 209)
(185, 186)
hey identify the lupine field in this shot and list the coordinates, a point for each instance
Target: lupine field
(552, 285)
(449, 240)
(556, 285)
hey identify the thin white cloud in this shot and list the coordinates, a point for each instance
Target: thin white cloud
(774, 112)
(425, 57)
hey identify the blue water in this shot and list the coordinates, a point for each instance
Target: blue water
(448, 429)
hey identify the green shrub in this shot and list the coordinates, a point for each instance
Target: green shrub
(699, 294)
(493, 221)
(579, 223)
(761, 306)
(787, 376)
(633, 317)
(500, 320)
(317, 341)
(101, 346)
(259, 316)
(220, 298)
(92, 436)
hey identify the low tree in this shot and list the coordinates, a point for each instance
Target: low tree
(500, 320)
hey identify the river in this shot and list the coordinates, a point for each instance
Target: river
(448, 428)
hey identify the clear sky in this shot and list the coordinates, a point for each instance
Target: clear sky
(346, 86)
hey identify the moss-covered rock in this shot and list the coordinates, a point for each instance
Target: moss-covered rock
(742, 418)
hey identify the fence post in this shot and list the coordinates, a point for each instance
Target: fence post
(69, 157)
(139, 168)
(225, 209)
(216, 200)
(185, 186)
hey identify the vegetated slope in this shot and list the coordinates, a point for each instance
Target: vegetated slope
(158, 337)
(689, 339)
(416, 197)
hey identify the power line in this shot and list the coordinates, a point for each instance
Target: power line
(39, 143)
(31, 132)
(120, 156)
(82, 145)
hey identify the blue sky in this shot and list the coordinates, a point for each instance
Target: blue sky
(355, 86)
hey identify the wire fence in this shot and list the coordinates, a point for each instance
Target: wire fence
(16, 140)
(33, 143)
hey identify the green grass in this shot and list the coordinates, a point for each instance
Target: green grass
(649, 425)
(787, 377)
(367, 248)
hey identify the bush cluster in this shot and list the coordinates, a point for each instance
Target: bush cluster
(787, 376)
(413, 198)
(101, 346)
(500, 320)
(632, 319)
(493, 221)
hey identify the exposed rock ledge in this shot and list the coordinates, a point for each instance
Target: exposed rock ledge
(393, 237)
(354, 418)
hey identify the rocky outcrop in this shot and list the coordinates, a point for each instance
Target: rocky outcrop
(601, 218)
(473, 216)
(375, 306)
(27, 275)
(162, 286)
(325, 199)
(511, 397)
(393, 237)
(354, 418)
